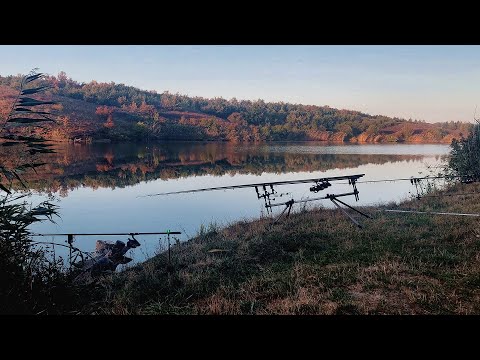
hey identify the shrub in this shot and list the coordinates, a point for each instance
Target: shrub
(465, 155)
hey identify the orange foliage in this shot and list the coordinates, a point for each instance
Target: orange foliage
(104, 110)
(103, 167)
(109, 156)
(109, 124)
(146, 109)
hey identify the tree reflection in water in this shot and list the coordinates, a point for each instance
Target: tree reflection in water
(119, 165)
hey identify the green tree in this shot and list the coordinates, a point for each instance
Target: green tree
(345, 128)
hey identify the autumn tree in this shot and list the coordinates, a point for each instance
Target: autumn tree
(345, 128)
(146, 109)
(238, 128)
(132, 107)
(109, 124)
(407, 131)
(122, 100)
(106, 112)
(236, 118)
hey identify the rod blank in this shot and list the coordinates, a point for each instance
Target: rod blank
(411, 178)
(114, 234)
(286, 182)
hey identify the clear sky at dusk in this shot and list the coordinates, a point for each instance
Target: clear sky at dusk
(432, 83)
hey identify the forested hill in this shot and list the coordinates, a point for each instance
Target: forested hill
(119, 112)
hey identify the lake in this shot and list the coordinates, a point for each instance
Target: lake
(102, 188)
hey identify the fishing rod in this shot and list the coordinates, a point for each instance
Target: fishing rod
(417, 181)
(266, 184)
(112, 234)
(468, 178)
(267, 192)
(427, 212)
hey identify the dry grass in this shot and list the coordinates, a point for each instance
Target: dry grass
(317, 262)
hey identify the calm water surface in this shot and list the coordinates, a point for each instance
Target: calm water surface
(101, 187)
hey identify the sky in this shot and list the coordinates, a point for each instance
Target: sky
(431, 83)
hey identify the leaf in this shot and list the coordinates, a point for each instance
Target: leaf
(33, 77)
(34, 90)
(5, 189)
(22, 138)
(9, 143)
(40, 210)
(37, 165)
(47, 118)
(7, 174)
(40, 145)
(32, 166)
(19, 179)
(25, 101)
(36, 103)
(24, 120)
(40, 151)
(17, 198)
(20, 109)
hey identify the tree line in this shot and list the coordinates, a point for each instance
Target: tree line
(176, 116)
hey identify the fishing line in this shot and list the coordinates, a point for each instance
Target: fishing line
(428, 212)
(442, 195)
(409, 179)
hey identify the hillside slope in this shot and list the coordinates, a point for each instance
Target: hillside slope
(118, 112)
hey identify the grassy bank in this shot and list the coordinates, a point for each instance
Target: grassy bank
(316, 262)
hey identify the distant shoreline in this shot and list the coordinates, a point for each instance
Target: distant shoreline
(108, 141)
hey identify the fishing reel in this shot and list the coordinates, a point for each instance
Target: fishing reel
(319, 186)
(132, 242)
(467, 180)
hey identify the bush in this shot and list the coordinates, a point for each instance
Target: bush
(31, 280)
(465, 155)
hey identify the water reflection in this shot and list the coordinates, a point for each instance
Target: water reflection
(118, 165)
